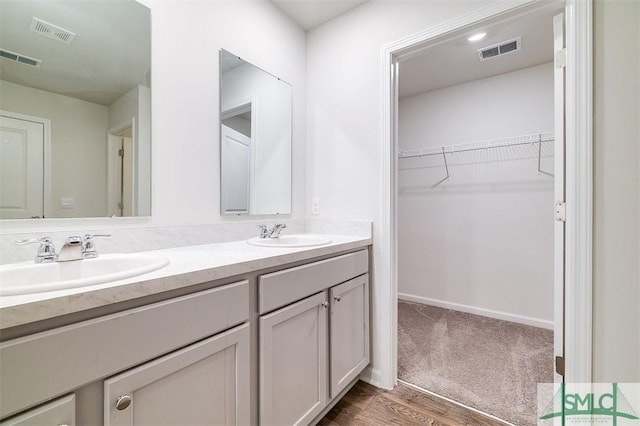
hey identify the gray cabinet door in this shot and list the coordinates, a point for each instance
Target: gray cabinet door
(61, 411)
(293, 362)
(349, 331)
(206, 383)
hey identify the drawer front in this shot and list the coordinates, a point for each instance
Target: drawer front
(283, 287)
(38, 367)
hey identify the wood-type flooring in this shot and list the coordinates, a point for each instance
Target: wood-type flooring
(367, 405)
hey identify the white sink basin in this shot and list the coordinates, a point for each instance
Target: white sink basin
(290, 241)
(28, 277)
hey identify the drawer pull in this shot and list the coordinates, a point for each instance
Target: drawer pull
(123, 402)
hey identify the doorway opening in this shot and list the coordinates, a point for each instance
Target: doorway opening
(121, 170)
(576, 251)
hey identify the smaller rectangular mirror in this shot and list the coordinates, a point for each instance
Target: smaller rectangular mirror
(255, 140)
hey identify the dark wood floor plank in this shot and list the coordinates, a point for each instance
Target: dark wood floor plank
(361, 395)
(366, 405)
(439, 408)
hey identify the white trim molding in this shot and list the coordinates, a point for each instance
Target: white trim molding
(579, 177)
(579, 192)
(476, 310)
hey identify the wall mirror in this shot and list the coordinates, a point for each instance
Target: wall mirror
(75, 109)
(255, 140)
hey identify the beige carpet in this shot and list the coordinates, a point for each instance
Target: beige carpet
(488, 364)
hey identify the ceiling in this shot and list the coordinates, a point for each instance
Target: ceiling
(110, 54)
(456, 60)
(312, 13)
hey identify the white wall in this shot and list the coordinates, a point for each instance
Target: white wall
(484, 237)
(186, 38)
(616, 278)
(78, 146)
(344, 129)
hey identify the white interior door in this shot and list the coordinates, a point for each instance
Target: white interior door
(236, 169)
(559, 190)
(21, 169)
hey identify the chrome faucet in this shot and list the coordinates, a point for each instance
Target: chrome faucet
(46, 252)
(71, 250)
(77, 248)
(74, 248)
(274, 232)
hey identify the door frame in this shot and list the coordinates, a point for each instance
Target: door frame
(46, 175)
(114, 193)
(579, 182)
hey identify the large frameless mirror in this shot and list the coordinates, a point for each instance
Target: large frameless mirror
(75, 109)
(255, 140)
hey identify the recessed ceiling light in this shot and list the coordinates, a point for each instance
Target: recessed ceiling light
(477, 36)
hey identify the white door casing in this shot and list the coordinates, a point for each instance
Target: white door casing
(559, 189)
(127, 188)
(578, 186)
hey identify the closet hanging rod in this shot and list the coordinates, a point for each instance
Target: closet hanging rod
(538, 138)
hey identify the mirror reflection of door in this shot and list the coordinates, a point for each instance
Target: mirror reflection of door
(121, 172)
(236, 155)
(21, 168)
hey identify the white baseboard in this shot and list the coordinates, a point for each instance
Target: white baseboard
(521, 319)
(373, 376)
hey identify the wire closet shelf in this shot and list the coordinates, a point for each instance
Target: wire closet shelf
(448, 152)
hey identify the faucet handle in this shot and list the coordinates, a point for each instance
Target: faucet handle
(89, 237)
(89, 247)
(264, 231)
(46, 251)
(277, 228)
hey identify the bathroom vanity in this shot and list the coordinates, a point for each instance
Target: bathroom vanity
(226, 334)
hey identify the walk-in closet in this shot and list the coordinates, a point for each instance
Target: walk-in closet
(476, 172)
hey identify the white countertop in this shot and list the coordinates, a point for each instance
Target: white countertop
(187, 266)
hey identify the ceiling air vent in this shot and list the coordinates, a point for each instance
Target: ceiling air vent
(52, 31)
(22, 59)
(499, 49)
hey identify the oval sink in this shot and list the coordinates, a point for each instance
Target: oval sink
(290, 241)
(27, 277)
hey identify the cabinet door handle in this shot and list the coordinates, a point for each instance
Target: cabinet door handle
(325, 304)
(123, 402)
(337, 298)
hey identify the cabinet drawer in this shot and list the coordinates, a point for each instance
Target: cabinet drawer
(283, 287)
(37, 367)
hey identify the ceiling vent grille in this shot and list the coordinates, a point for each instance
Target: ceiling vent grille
(52, 31)
(22, 59)
(499, 49)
